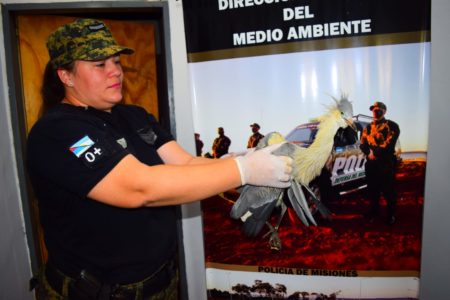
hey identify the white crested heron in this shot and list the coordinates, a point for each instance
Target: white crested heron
(256, 203)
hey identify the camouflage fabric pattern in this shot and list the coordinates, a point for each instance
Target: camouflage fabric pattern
(84, 39)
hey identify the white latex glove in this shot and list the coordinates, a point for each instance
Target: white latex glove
(239, 153)
(262, 168)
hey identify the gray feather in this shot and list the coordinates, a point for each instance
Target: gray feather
(323, 210)
(300, 196)
(298, 209)
(253, 197)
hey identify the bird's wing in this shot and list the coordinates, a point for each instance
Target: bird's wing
(253, 197)
(254, 207)
(287, 149)
(256, 196)
(300, 200)
(257, 218)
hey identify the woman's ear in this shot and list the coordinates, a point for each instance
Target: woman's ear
(65, 77)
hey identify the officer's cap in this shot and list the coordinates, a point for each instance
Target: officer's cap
(379, 105)
(83, 39)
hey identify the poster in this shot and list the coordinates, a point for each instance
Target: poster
(279, 63)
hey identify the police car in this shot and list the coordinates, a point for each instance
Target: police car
(344, 172)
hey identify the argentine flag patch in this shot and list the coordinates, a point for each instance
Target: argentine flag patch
(81, 146)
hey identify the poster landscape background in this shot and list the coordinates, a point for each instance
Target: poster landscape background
(281, 84)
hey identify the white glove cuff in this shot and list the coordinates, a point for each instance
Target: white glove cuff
(240, 168)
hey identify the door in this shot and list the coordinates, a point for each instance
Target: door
(140, 80)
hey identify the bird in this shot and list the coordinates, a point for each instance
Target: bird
(256, 204)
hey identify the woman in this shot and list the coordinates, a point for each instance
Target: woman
(107, 176)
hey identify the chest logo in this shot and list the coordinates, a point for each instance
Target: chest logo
(147, 135)
(122, 142)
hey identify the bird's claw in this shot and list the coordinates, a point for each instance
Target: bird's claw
(274, 239)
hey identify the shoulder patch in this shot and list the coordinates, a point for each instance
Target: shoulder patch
(91, 153)
(81, 146)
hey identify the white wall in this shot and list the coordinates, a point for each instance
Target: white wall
(192, 223)
(15, 268)
(434, 283)
(14, 256)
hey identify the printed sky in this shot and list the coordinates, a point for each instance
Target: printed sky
(282, 91)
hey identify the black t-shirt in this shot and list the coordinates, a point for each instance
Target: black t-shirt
(70, 149)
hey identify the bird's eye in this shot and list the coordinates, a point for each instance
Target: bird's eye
(342, 113)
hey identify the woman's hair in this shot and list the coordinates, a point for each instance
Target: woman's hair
(53, 91)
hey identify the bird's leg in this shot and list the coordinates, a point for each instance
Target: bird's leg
(283, 211)
(274, 239)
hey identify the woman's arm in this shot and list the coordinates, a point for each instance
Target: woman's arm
(185, 178)
(173, 154)
(133, 184)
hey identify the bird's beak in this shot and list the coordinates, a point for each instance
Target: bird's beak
(351, 124)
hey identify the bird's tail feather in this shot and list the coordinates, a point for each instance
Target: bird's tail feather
(300, 196)
(298, 209)
(323, 210)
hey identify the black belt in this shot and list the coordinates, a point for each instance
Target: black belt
(87, 287)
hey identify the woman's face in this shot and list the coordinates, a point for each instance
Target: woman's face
(96, 83)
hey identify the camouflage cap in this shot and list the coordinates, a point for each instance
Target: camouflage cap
(83, 39)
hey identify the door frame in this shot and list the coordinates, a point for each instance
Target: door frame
(157, 12)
